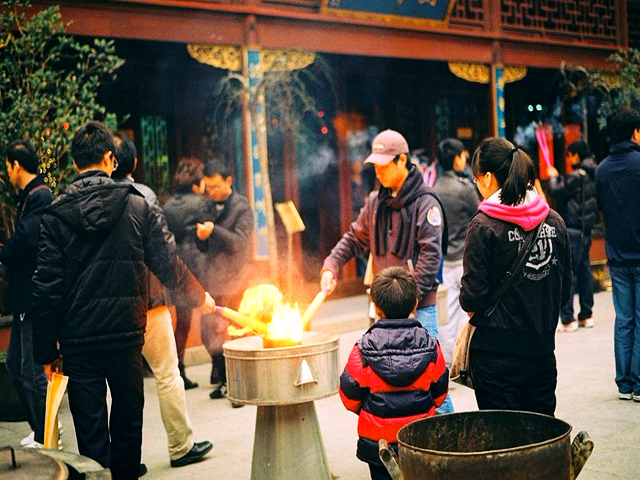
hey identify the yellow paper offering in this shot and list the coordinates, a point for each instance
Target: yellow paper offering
(55, 392)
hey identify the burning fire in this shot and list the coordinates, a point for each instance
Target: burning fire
(265, 304)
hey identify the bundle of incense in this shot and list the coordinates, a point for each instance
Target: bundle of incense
(312, 308)
(258, 327)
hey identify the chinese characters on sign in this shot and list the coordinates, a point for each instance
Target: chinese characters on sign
(427, 11)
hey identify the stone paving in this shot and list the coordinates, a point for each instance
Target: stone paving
(587, 399)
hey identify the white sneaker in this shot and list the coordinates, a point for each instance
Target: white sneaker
(569, 328)
(625, 396)
(636, 397)
(34, 444)
(28, 439)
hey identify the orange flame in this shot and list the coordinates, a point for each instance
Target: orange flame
(265, 304)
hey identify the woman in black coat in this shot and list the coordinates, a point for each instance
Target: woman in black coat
(512, 359)
(184, 211)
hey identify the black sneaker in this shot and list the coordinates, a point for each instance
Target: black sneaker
(219, 392)
(199, 450)
(142, 470)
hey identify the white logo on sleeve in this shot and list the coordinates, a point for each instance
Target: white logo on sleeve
(434, 217)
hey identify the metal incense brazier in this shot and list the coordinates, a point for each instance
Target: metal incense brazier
(283, 382)
(485, 445)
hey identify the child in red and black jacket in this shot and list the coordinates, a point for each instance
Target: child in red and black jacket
(396, 372)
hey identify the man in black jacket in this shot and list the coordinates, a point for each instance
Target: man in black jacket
(576, 202)
(227, 244)
(19, 255)
(159, 344)
(97, 243)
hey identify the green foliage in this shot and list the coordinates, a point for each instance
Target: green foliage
(619, 87)
(48, 87)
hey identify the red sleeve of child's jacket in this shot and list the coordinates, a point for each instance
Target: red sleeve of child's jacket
(353, 384)
(439, 374)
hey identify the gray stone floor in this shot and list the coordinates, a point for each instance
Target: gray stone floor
(586, 399)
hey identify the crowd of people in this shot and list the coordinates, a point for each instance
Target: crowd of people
(93, 274)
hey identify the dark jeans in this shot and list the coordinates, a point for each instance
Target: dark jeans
(379, 472)
(118, 444)
(28, 377)
(626, 331)
(504, 382)
(183, 325)
(213, 331)
(582, 278)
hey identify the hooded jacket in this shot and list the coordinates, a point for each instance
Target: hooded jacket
(617, 181)
(98, 242)
(395, 374)
(20, 252)
(576, 196)
(414, 215)
(526, 316)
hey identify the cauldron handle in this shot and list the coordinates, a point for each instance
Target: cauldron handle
(581, 449)
(389, 459)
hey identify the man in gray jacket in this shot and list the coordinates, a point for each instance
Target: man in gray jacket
(460, 200)
(403, 224)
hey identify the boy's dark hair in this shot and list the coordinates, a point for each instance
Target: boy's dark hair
(512, 167)
(188, 173)
(22, 151)
(126, 154)
(622, 123)
(394, 291)
(448, 150)
(90, 143)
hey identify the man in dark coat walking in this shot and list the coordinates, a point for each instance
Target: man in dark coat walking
(98, 242)
(19, 255)
(617, 180)
(576, 203)
(227, 243)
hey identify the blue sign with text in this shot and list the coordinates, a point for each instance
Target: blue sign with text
(426, 10)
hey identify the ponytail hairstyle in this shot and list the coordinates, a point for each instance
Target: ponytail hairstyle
(512, 167)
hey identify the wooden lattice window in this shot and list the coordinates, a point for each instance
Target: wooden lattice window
(155, 153)
(633, 18)
(468, 13)
(587, 20)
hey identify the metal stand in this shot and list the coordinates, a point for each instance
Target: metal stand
(288, 444)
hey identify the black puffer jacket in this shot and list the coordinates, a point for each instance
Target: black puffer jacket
(90, 286)
(20, 252)
(158, 295)
(576, 196)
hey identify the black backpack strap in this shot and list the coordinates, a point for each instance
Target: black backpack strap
(512, 272)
